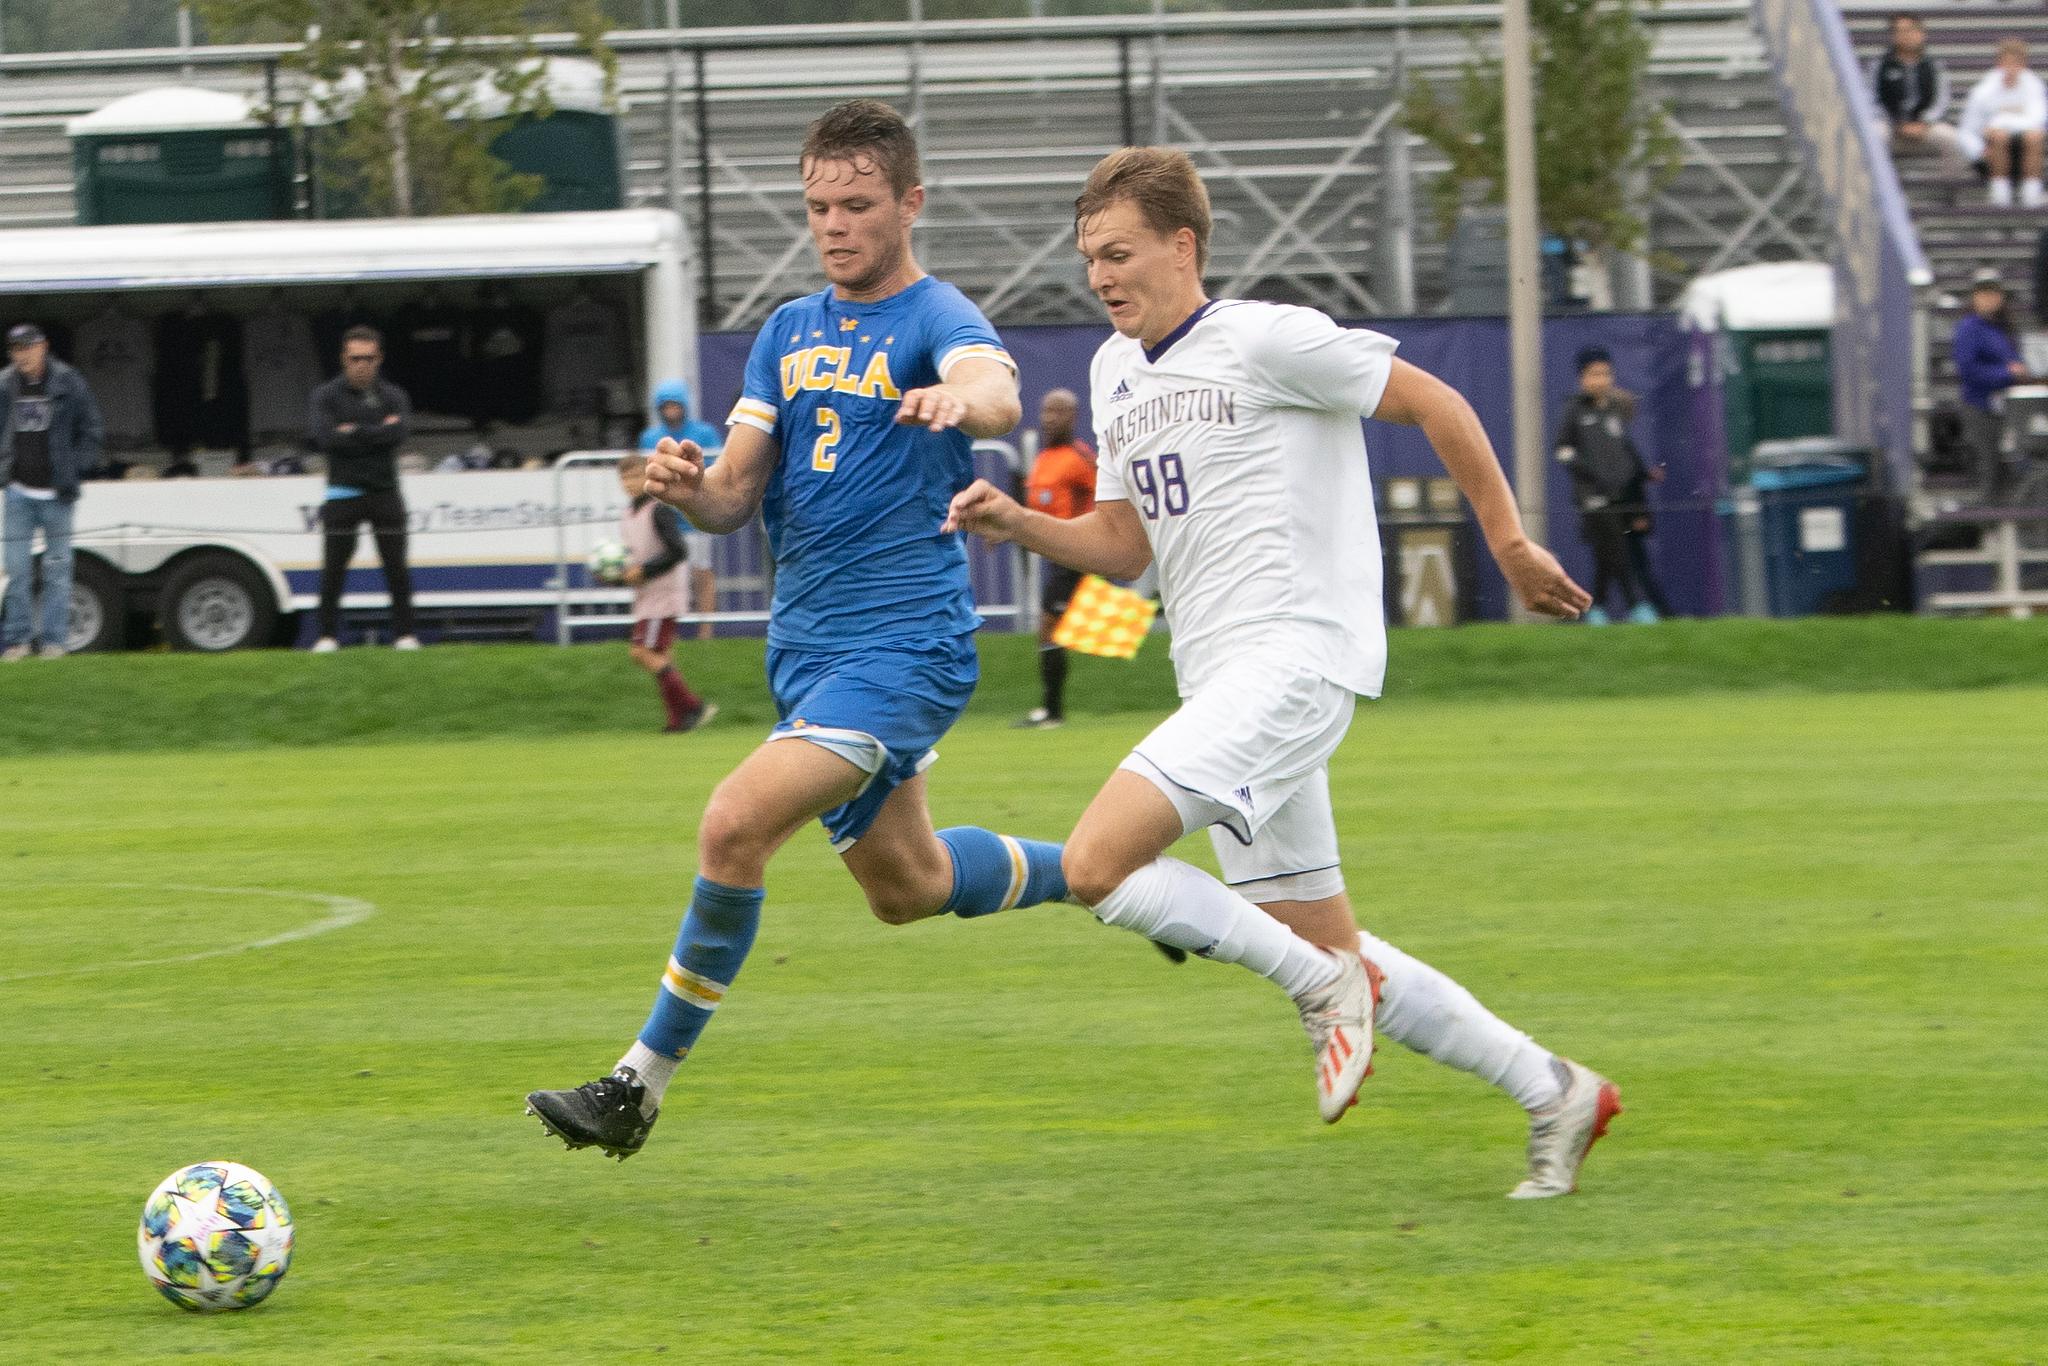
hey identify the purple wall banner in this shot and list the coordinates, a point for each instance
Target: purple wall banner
(1651, 354)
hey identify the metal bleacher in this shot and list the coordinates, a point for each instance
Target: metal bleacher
(1290, 114)
(1976, 553)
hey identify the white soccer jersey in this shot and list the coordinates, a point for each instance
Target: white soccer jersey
(1237, 440)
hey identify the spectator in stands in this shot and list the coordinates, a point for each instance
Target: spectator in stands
(1912, 96)
(1062, 484)
(2004, 122)
(1987, 361)
(672, 418)
(1608, 482)
(359, 421)
(50, 430)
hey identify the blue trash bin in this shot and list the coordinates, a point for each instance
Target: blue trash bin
(1808, 516)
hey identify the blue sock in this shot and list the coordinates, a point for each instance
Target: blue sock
(994, 872)
(717, 931)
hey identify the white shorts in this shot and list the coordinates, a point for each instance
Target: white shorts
(1248, 756)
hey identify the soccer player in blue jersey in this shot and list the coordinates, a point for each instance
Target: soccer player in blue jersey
(852, 434)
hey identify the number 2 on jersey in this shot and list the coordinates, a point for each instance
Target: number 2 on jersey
(825, 450)
(1168, 487)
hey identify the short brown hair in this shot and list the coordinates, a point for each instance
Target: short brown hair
(1162, 182)
(2012, 47)
(632, 462)
(363, 332)
(865, 128)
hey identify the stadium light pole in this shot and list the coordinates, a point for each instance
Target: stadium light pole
(917, 66)
(1525, 299)
(1158, 72)
(674, 92)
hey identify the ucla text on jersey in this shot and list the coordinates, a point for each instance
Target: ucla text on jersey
(854, 505)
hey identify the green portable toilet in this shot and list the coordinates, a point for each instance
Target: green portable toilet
(179, 154)
(574, 149)
(1774, 322)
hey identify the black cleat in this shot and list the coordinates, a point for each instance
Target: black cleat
(695, 720)
(1173, 955)
(602, 1114)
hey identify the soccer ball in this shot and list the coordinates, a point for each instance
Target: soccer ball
(608, 562)
(214, 1236)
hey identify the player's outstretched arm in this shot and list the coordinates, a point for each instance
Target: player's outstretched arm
(719, 499)
(1109, 540)
(979, 397)
(1416, 398)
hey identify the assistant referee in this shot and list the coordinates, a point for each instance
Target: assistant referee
(1062, 484)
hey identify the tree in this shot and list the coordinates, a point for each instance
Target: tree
(410, 93)
(1600, 141)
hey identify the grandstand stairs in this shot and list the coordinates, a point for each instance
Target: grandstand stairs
(1958, 230)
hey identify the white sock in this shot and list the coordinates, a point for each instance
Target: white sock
(1428, 1012)
(654, 1070)
(1177, 903)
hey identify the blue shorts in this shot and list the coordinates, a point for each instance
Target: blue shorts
(901, 695)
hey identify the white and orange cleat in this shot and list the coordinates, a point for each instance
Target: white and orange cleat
(1338, 1018)
(1560, 1137)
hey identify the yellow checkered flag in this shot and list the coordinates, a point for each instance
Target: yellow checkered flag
(1103, 619)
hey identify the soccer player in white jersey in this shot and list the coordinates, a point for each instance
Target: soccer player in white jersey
(1231, 453)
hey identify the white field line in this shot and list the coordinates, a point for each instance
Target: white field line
(342, 912)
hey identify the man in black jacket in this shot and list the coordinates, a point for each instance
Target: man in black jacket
(1912, 95)
(360, 421)
(1609, 482)
(50, 432)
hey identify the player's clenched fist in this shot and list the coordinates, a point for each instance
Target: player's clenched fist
(983, 509)
(935, 409)
(675, 469)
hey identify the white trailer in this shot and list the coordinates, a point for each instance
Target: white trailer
(227, 563)
(224, 563)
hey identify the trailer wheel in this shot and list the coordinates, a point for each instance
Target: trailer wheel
(99, 607)
(215, 602)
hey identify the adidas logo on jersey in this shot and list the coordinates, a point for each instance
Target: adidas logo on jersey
(1120, 393)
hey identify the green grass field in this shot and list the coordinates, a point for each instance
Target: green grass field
(1804, 931)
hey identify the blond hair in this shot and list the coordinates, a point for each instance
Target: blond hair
(1164, 185)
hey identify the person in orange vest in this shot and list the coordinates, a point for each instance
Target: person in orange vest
(1062, 484)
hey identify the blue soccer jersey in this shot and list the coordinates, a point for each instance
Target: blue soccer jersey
(854, 506)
